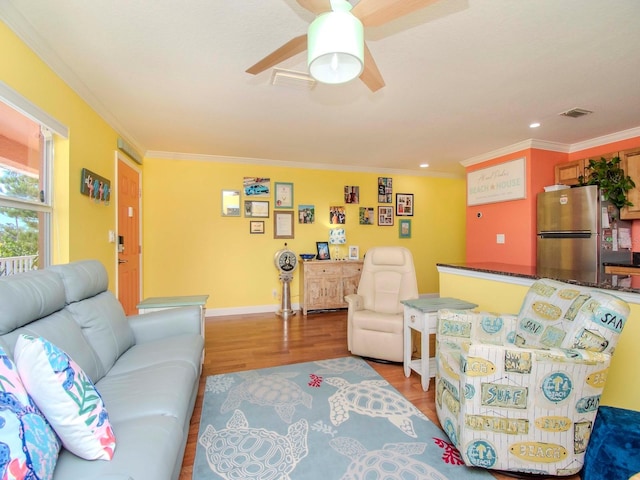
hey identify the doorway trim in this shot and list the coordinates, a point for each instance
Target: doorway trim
(120, 157)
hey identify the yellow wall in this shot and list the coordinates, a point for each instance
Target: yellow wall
(80, 227)
(623, 383)
(189, 248)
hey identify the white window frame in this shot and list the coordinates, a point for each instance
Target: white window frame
(48, 126)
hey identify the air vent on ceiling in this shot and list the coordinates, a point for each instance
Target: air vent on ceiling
(291, 78)
(576, 112)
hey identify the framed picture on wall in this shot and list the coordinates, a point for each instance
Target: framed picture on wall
(405, 228)
(283, 224)
(283, 193)
(254, 208)
(404, 204)
(385, 190)
(306, 213)
(385, 216)
(256, 226)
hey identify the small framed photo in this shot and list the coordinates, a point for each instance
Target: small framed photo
(254, 208)
(366, 216)
(323, 251)
(404, 204)
(283, 193)
(405, 228)
(306, 213)
(256, 226)
(385, 216)
(354, 253)
(351, 194)
(283, 224)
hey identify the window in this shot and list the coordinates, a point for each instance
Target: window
(26, 150)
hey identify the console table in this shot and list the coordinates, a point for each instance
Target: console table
(325, 283)
(421, 315)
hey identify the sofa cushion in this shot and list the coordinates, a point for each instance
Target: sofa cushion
(28, 446)
(61, 329)
(556, 314)
(82, 279)
(28, 296)
(185, 348)
(148, 448)
(162, 389)
(66, 396)
(104, 325)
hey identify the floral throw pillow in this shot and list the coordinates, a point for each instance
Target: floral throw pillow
(67, 397)
(28, 445)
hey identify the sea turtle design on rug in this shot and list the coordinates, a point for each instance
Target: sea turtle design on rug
(239, 451)
(338, 366)
(270, 390)
(369, 397)
(392, 461)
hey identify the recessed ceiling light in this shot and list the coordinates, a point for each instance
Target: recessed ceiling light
(424, 165)
(534, 125)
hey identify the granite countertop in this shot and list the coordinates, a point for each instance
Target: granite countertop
(608, 282)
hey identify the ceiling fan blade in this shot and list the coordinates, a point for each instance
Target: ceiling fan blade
(288, 50)
(371, 76)
(316, 6)
(373, 13)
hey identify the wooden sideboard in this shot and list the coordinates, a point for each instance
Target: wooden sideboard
(324, 283)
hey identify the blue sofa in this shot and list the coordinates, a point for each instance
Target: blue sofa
(145, 367)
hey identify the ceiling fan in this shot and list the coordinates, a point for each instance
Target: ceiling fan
(372, 13)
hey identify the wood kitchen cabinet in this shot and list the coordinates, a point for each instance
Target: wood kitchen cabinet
(324, 283)
(630, 163)
(567, 173)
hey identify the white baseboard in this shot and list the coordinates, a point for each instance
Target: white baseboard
(220, 312)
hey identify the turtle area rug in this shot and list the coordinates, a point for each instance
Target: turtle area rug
(325, 420)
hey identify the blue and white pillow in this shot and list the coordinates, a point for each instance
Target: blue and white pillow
(28, 445)
(67, 397)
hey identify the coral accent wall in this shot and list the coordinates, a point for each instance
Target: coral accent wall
(515, 219)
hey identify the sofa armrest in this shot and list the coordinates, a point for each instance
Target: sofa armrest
(159, 324)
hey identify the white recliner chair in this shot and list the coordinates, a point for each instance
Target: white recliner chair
(375, 315)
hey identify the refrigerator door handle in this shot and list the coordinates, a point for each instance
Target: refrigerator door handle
(581, 234)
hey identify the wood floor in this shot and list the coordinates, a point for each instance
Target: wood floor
(247, 342)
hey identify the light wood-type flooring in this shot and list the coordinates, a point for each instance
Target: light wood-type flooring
(247, 342)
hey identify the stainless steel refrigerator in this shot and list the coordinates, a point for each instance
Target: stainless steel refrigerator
(577, 233)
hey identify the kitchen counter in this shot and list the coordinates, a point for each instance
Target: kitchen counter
(618, 283)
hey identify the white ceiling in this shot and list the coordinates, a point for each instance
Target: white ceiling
(463, 77)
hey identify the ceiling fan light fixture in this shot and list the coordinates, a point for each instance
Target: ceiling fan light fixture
(335, 47)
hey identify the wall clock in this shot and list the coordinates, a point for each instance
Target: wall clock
(286, 261)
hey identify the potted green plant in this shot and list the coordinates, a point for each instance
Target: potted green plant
(614, 183)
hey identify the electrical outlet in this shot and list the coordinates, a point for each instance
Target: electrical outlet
(500, 238)
(275, 293)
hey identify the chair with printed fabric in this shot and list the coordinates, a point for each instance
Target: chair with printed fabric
(520, 393)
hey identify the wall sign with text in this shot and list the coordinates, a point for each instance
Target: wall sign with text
(498, 183)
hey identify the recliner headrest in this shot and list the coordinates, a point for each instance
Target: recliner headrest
(388, 256)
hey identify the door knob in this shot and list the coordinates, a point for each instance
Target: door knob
(122, 261)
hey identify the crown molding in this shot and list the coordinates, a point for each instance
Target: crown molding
(153, 154)
(517, 147)
(603, 140)
(553, 146)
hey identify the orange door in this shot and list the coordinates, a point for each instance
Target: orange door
(128, 238)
